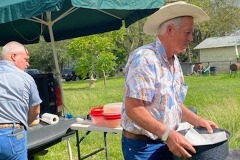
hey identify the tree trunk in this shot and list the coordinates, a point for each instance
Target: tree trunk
(104, 75)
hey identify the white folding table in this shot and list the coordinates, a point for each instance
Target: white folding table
(89, 128)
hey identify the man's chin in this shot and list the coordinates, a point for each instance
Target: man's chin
(183, 50)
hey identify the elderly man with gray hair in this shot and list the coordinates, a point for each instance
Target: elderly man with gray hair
(155, 90)
(19, 101)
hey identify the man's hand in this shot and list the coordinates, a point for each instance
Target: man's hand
(179, 145)
(209, 125)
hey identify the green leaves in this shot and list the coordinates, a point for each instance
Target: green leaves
(41, 54)
(105, 63)
(94, 54)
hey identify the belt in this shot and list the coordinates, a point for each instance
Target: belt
(138, 136)
(10, 125)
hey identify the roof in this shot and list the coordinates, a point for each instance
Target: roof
(216, 42)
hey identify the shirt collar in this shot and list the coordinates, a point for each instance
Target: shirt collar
(161, 50)
(6, 62)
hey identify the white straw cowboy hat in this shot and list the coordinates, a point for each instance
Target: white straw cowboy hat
(170, 11)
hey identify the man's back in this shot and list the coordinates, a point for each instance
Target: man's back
(19, 101)
(14, 97)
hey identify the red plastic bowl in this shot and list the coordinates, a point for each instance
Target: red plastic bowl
(112, 120)
(96, 114)
(96, 111)
(112, 116)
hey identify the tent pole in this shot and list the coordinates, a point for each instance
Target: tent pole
(49, 24)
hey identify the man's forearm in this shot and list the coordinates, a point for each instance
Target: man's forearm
(33, 113)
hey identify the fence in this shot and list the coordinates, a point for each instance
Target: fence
(215, 66)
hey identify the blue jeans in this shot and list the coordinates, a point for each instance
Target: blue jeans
(145, 150)
(13, 144)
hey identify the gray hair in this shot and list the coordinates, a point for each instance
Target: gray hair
(175, 21)
(12, 47)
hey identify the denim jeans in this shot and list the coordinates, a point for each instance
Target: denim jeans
(13, 144)
(145, 150)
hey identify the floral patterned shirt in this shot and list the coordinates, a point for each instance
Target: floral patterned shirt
(149, 78)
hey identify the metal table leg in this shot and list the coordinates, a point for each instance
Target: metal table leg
(78, 145)
(94, 152)
(105, 145)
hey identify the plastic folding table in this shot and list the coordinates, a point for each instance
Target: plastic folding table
(92, 128)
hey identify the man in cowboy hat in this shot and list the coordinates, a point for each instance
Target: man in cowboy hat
(155, 90)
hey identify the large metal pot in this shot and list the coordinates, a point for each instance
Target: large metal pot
(218, 151)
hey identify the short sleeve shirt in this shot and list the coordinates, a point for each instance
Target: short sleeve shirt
(149, 78)
(18, 92)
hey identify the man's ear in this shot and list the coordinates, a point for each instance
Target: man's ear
(169, 29)
(13, 57)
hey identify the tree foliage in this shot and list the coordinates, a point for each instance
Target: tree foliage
(128, 39)
(224, 20)
(41, 54)
(105, 64)
(91, 53)
(225, 17)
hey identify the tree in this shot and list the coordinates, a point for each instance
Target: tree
(91, 53)
(105, 64)
(85, 66)
(224, 18)
(223, 21)
(132, 37)
(41, 55)
(128, 39)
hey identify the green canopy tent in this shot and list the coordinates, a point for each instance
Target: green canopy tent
(26, 20)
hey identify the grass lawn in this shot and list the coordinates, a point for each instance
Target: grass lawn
(215, 97)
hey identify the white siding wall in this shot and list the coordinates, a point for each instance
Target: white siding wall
(219, 57)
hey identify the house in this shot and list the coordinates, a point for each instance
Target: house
(220, 52)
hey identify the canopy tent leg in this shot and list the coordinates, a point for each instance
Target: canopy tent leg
(69, 149)
(49, 24)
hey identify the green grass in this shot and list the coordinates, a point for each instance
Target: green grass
(215, 97)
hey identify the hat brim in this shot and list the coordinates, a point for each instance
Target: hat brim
(170, 11)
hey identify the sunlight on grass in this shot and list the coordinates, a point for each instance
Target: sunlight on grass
(226, 114)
